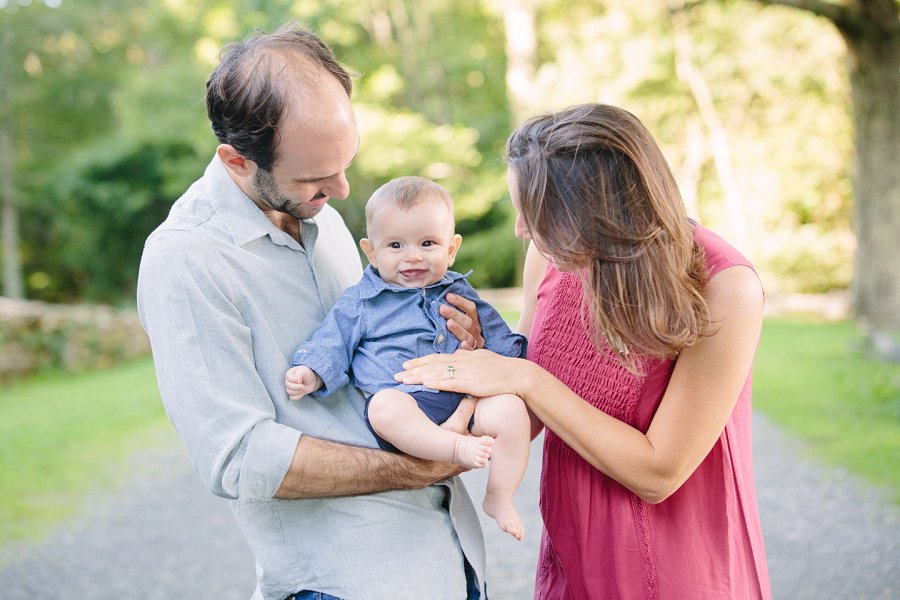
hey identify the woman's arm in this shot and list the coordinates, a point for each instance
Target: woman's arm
(698, 401)
(535, 266)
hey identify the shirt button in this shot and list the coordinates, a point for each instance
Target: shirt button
(440, 338)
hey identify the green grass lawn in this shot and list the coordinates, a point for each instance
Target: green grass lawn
(814, 381)
(62, 435)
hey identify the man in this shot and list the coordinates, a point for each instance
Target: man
(248, 262)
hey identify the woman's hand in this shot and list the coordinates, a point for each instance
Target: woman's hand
(463, 322)
(479, 373)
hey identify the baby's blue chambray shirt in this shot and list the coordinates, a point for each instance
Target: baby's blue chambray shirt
(224, 296)
(375, 326)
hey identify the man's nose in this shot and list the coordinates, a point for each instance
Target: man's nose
(338, 188)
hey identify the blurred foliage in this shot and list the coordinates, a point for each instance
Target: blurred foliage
(109, 125)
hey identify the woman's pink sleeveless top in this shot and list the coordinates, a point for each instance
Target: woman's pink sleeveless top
(602, 541)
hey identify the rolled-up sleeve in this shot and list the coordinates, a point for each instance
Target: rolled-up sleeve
(203, 352)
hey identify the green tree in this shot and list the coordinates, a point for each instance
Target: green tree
(429, 100)
(782, 104)
(59, 82)
(110, 125)
(871, 30)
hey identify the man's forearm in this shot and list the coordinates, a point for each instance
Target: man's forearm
(323, 469)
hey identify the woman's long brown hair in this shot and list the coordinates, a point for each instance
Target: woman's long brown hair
(595, 191)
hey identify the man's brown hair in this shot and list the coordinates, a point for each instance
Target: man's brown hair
(246, 95)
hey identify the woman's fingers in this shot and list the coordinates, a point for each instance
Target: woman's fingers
(480, 372)
(438, 359)
(426, 372)
(448, 372)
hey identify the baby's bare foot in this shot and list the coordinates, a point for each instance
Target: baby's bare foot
(504, 512)
(473, 452)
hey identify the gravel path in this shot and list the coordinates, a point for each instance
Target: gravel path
(161, 536)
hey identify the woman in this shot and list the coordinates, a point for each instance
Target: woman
(643, 327)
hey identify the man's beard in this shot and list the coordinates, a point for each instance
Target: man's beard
(266, 187)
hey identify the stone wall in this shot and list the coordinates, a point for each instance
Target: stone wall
(35, 336)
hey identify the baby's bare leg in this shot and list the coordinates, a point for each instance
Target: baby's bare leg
(396, 417)
(459, 420)
(505, 418)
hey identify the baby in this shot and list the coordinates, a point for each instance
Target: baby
(392, 316)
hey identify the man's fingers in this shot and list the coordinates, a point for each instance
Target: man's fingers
(467, 341)
(463, 304)
(458, 316)
(462, 321)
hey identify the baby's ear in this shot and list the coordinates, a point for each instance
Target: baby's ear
(455, 243)
(369, 250)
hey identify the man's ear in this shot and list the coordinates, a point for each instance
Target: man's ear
(235, 162)
(455, 243)
(369, 250)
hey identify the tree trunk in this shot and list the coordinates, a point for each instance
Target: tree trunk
(12, 265)
(520, 28)
(689, 171)
(691, 76)
(520, 25)
(12, 268)
(874, 65)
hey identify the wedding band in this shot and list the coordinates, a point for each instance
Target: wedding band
(450, 370)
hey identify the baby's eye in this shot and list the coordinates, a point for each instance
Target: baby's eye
(427, 243)
(395, 245)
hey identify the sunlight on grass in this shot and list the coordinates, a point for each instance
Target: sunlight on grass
(814, 380)
(64, 434)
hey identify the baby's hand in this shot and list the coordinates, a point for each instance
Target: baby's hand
(300, 381)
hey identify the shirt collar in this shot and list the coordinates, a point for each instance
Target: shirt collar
(243, 218)
(372, 284)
